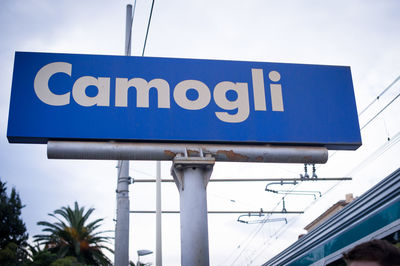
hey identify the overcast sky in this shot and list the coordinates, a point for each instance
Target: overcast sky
(361, 34)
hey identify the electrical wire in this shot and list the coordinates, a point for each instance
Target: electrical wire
(252, 235)
(372, 157)
(383, 109)
(244, 244)
(143, 173)
(380, 95)
(369, 105)
(377, 153)
(280, 229)
(148, 27)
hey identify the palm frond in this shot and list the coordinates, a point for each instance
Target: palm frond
(73, 235)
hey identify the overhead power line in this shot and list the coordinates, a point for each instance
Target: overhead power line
(380, 95)
(148, 27)
(376, 115)
(383, 109)
(372, 157)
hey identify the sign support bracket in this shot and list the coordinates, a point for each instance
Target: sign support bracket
(191, 175)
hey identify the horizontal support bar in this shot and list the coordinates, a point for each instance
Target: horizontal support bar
(251, 179)
(168, 151)
(226, 212)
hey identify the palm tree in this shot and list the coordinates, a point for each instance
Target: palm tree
(71, 235)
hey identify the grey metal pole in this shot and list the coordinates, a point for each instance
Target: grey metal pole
(191, 175)
(121, 252)
(194, 224)
(167, 151)
(158, 217)
(128, 29)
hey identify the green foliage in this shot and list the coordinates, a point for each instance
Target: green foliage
(40, 257)
(72, 235)
(13, 236)
(67, 261)
(8, 254)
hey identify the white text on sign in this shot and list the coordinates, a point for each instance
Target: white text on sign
(122, 86)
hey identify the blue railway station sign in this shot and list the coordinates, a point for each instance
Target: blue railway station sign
(142, 99)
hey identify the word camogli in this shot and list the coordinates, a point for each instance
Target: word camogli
(122, 86)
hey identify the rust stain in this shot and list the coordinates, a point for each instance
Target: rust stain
(259, 159)
(192, 152)
(169, 153)
(231, 155)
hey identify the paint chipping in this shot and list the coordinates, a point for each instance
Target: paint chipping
(192, 153)
(259, 159)
(232, 156)
(170, 154)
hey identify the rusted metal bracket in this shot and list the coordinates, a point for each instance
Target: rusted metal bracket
(182, 161)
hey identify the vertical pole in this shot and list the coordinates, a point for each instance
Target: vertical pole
(158, 216)
(121, 252)
(194, 224)
(191, 175)
(128, 29)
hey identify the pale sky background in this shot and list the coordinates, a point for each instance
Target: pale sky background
(362, 34)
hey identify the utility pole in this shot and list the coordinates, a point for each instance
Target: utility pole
(158, 217)
(121, 252)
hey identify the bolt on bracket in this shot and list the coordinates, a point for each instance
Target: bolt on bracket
(182, 161)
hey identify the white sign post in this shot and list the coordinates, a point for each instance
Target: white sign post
(191, 175)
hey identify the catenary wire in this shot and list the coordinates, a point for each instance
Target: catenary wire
(373, 156)
(148, 27)
(380, 95)
(383, 109)
(369, 105)
(252, 235)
